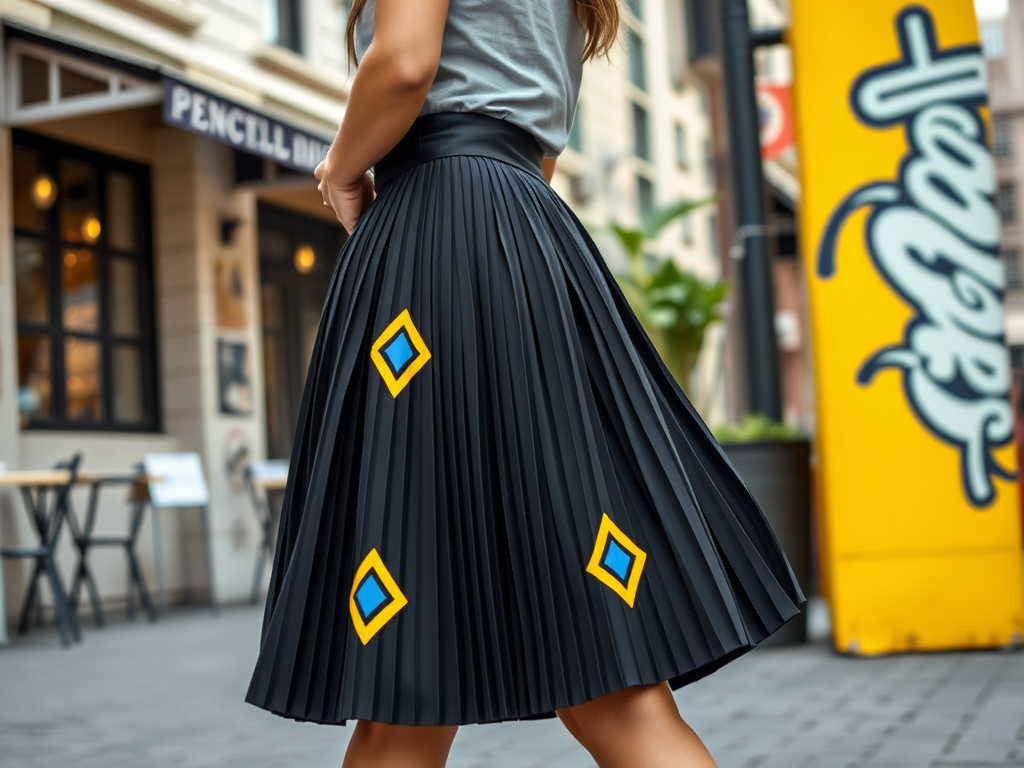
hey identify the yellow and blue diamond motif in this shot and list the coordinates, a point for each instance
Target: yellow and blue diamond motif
(399, 352)
(617, 562)
(375, 597)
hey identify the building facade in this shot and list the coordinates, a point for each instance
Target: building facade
(1002, 35)
(164, 253)
(642, 140)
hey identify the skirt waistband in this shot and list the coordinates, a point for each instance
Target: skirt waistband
(447, 134)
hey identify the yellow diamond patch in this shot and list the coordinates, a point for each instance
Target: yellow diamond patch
(375, 597)
(399, 352)
(616, 562)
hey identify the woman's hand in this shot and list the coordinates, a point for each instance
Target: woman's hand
(388, 92)
(348, 199)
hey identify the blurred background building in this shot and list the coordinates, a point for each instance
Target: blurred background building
(164, 254)
(1002, 35)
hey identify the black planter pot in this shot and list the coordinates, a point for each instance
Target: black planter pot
(778, 474)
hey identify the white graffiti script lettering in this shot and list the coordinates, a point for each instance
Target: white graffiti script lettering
(933, 235)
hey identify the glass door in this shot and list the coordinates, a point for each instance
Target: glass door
(297, 257)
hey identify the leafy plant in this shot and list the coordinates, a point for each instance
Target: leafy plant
(675, 305)
(756, 427)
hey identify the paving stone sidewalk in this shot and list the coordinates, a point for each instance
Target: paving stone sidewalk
(170, 694)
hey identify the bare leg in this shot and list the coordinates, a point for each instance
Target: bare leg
(637, 727)
(376, 745)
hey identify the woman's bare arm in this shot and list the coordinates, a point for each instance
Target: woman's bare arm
(388, 91)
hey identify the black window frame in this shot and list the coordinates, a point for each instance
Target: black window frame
(645, 200)
(1006, 202)
(1002, 137)
(289, 25)
(641, 119)
(52, 152)
(637, 59)
(1013, 269)
(680, 138)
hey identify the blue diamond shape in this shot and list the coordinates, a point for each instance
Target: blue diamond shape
(370, 596)
(399, 352)
(616, 560)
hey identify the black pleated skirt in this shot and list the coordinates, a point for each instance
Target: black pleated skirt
(500, 503)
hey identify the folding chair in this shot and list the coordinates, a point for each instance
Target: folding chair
(138, 495)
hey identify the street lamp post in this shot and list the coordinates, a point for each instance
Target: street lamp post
(756, 293)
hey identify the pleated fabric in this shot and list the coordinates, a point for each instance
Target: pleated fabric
(482, 484)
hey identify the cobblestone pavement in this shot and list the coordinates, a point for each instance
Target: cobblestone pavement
(170, 694)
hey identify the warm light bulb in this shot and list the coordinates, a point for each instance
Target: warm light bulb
(90, 229)
(305, 257)
(44, 192)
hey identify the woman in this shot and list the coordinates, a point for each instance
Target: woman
(500, 505)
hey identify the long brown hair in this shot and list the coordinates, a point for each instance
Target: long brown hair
(600, 20)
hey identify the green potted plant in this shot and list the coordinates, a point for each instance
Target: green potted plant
(774, 461)
(675, 305)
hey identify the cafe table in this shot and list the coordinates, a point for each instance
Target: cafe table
(47, 523)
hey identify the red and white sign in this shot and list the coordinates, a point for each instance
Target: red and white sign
(776, 116)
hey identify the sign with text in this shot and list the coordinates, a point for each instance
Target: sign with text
(199, 111)
(178, 480)
(921, 533)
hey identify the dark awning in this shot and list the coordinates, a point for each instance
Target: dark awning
(196, 109)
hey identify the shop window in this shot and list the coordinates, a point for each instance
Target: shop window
(284, 23)
(682, 150)
(637, 68)
(1017, 357)
(993, 40)
(83, 289)
(1002, 137)
(1006, 202)
(641, 133)
(645, 195)
(1013, 269)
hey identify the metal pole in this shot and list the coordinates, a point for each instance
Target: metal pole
(756, 293)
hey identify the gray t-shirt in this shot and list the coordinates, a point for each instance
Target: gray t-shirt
(517, 60)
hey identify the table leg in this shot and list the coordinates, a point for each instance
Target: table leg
(30, 599)
(130, 595)
(158, 563)
(81, 538)
(136, 582)
(61, 611)
(4, 637)
(204, 513)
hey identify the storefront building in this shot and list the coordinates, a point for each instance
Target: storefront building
(164, 253)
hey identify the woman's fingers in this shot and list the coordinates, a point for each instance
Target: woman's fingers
(348, 201)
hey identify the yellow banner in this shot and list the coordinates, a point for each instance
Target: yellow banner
(921, 536)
